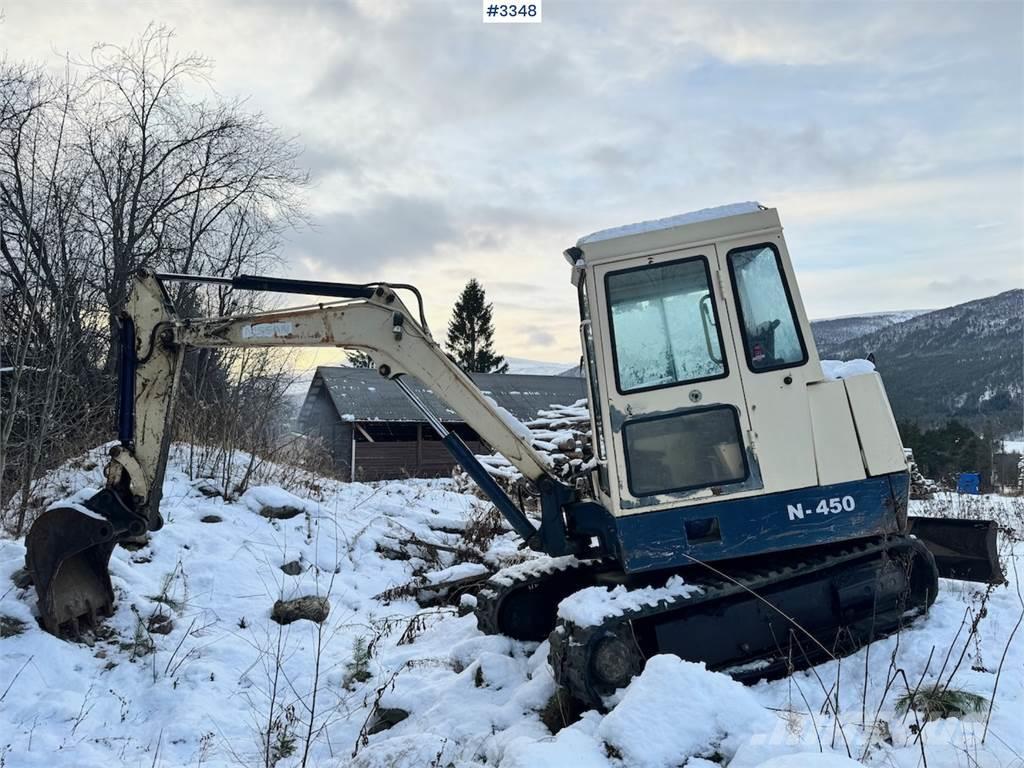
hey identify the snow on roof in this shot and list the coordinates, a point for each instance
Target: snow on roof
(360, 394)
(706, 214)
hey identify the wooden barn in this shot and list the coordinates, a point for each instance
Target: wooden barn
(374, 433)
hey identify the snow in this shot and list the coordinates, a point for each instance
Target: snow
(510, 421)
(590, 606)
(664, 716)
(208, 676)
(893, 316)
(460, 571)
(202, 695)
(533, 567)
(844, 369)
(1013, 446)
(261, 496)
(576, 746)
(682, 219)
(810, 760)
(80, 508)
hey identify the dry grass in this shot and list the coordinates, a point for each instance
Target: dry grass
(9, 626)
(484, 524)
(939, 702)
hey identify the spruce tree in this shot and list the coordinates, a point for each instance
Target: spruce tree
(471, 332)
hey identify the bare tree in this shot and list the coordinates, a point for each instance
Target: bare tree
(48, 341)
(170, 174)
(126, 160)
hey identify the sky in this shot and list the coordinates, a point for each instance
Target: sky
(890, 136)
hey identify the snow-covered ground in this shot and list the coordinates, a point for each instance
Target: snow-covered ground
(1012, 446)
(208, 692)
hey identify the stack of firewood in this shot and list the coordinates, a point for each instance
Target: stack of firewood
(560, 434)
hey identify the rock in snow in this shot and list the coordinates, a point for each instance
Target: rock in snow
(310, 607)
(273, 503)
(385, 719)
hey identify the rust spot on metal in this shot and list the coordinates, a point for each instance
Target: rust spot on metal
(325, 318)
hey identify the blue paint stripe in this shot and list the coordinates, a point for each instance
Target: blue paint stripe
(764, 524)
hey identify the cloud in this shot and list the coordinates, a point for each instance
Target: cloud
(442, 149)
(965, 285)
(438, 61)
(810, 34)
(324, 160)
(512, 286)
(539, 337)
(390, 230)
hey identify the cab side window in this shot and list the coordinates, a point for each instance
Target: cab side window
(771, 334)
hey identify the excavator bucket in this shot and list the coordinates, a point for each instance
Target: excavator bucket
(963, 549)
(67, 552)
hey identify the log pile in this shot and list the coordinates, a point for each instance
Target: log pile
(560, 434)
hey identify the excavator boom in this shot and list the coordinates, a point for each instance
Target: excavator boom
(68, 548)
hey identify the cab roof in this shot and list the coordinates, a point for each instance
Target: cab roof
(673, 233)
(670, 222)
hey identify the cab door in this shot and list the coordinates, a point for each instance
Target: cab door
(678, 421)
(775, 357)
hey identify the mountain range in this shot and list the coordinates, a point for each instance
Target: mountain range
(836, 330)
(964, 362)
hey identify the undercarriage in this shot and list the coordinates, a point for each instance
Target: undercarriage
(759, 618)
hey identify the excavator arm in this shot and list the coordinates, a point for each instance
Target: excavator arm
(68, 548)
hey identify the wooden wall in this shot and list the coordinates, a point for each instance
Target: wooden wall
(393, 460)
(323, 422)
(397, 450)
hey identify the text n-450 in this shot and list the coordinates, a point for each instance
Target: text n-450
(830, 506)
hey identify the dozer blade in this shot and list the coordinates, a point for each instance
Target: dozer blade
(67, 552)
(963, 549)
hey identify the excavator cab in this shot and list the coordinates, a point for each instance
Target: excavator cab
(717, 434)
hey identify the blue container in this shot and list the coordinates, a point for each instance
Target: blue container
(968, 482)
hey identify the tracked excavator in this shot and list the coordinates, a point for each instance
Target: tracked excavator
(722, 454)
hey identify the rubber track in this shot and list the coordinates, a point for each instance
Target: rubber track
(508, 582)
(571, 645)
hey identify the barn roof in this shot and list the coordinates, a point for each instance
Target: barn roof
(361, 394)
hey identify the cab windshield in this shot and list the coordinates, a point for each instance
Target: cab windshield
(664, 325)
